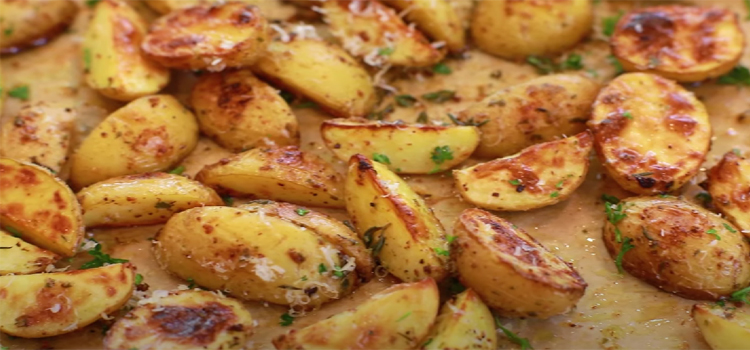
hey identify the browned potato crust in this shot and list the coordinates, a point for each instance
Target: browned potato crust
(729, 186)
(29, 23)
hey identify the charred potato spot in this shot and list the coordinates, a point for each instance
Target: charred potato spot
(22, 258)
(25, 24)
(729, 186)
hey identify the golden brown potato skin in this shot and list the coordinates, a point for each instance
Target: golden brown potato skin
(21, 258)
(437, 18)
(464, 323)
(27, 24)
(729, 186)
(723, 327)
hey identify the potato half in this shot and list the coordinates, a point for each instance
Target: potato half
(26, 24)
(729, 186)
(396, 318)
(436, 18)
(723, 328)
(40, 207)
(231, 34)
(166, 6)
(627, 114)
(186, 319)
(21, 258)
(540, 110)
(541, 175)
(405, 149)
(464, 323)
(152, 133)
(510, 270)
(683, 43)
(48, 304)
(665, 242)
(395, 222)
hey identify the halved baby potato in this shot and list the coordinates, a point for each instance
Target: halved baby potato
(38, 134)
(729, 186)
(723, 328)
(186, 319)
(678, 247)
(25, 23)
(142, 199)
(231, 34)
(512, 272)
(405, 149)
(464, 323)
(541, 175)
(49, 304)
(166, 6)
(395, 222)
(240, 112)
(683, 43)
(370, 30)
(627, 114)
(40, 207)
(396, 318)
(21, 258)
(436, 18)
(152, 133)
(285, 174)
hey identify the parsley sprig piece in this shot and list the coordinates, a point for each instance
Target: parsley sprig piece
(741, 295)
(523, 342)
(626, 246)
(286, 320)
(100, 258)
(439, 96)
(439, 155)
(178, 170)
(469, 122)
(739, 75)
(405, 100)
(615, 214)
(20, 92)
(381, 158)
(713, 232)
(610, 23)
(442, 68)
(545, 65)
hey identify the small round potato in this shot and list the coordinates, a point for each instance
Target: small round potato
(29, 23)
(684, 43)
(678, 247)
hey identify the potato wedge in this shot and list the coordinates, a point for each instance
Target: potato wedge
(38, 134)
(723, 328)
(48, 304)
(326, 227)
(540, 110)
(166, 6)
(303, 66)
(633, 108)
(112, 56)
(729, 186)
(186, 319)
(516, 29)
(40, 207)
(541, 175)
(464, 323)
(405, 149)
(683, 43)
(142, 199)
(231, 34)
(285, 174)
(240, 112)
(436, 18)
(26, 24)
(254, 257)
(152, 133)
(395, 222)
(665, 242)
(21, 258)
(396, 318)
(374, 32)
(510, 270)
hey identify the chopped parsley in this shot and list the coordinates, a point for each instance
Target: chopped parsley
(515, 182)
(138, 278)
(615, 63)
(741, 295)
(610, 23)
(306, 104)
(404, 316)
(349, 224)
(380, 115)
(381, 158)
(228, 200)
(560, 184)
(405, 100)
(368, 238)
(554, 194)
(627, 114)
(439, 155)
(704, 197)
(286, 320)
(8, 31)
(163, 205)
(615, 215)
(301, 211)
(455, 286)
(626, 246)
(729, 228)
(287, 96)
(712, 232)
(338, 272)
(739, 75)
(572, 62)
(442, 68)
(737, 151)
(451, 239)
(747, 6)
(385, 51)
(87, 59)
(645, 234)
(100, 258)
(469, 122)
(443, 252)
(428, 342)
(523, 342)
(423, 118)
(439, 96)
(543, 65)
(178, 170)
(12, 231)
(322, 268)
(191, 283)
(21, 92)
(92, 3)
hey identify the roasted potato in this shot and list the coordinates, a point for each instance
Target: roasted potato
(436, 18)
(541, 175)
(152, 133)
(516, 29)
(142, 199)
(48, 304)
(510, 270)
(723, 328)
(25, 23)
(186, 319)
(284, 174)
(396, 318)
(665, 242)
(239, 111)
(304, 66)
(539, 110)
(21, 258)
(114, 65)
(405, 149)
(629, 112)
(464, 323)
(38, 134)
(729, 186)
(254, 257)
(683, 43)
(370, 30)
(231, 34)
(395, 222)
(39, 207)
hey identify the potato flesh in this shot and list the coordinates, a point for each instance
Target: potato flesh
(464, 323)
(729, 186)
(437, 19)
(21, 258)
(723, 328)
(26, 24)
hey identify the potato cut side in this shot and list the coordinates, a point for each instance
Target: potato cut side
(284, 174)
(629, 112)
(436, 18)
(142, 199)
(406, 149)
(395, 222)
(396, 318)
(166, 6)
(21, 258)
(683, 43)
(464, 323)
(187, 319)
(729, 186)
(723, 328)
(48, 304)
(541, 175)
(512, 272)
(39, 207)
(25, 24)
(231, 34)
(374, 32)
